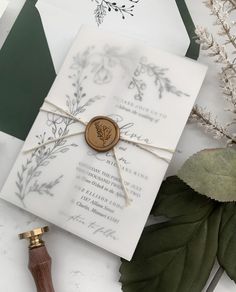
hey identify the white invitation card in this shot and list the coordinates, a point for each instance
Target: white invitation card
(155, 22)
(97, 153)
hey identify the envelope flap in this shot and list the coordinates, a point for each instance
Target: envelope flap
(26, 72)
(164, 29)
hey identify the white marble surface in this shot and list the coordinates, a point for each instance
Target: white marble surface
(77, 265)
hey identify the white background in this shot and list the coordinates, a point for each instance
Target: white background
(77, 265)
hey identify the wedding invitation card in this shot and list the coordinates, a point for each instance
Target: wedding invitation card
(155, 22)
(97, 153)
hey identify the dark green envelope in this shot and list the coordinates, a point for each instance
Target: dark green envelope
(27, 71)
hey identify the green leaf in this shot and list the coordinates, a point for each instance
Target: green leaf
(227, 240)
(212, 173)
(175, 256)
(177, 199)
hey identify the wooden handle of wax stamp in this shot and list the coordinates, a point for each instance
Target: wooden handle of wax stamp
(39, 260)
(40, 267)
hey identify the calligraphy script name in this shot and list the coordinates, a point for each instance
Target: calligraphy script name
(126, 129)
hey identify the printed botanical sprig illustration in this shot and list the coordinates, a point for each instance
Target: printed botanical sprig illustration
(106, 61)
(221, 51)
(103, 7)
(29, 179)
(160, 78)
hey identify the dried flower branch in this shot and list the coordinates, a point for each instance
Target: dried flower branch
(205, 119)
(222, 10)
(231, 3)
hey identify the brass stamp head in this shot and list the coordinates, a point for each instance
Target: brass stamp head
(102, 133)
(34, 236)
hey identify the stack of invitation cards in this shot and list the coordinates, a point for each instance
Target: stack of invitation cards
(98, 151)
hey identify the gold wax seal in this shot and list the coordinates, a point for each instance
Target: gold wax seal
(102, 133)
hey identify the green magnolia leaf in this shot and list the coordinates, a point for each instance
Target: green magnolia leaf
(212, 173)
(178, 255)
(227, 240)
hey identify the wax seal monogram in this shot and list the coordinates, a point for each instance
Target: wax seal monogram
(102, 133)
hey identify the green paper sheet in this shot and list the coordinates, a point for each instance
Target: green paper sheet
(26, 73)
(194, 48)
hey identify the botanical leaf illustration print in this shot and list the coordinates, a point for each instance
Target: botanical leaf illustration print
(103, 7)
(159, 76)
(29, 176)
(108, 59)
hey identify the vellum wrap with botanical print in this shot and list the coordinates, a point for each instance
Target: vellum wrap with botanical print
(57, 176)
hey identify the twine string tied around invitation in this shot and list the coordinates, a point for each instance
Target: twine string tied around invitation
(64, 113)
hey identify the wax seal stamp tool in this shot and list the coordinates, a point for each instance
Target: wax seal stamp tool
(39, 259)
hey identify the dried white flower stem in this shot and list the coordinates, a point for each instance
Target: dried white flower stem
(233, 2)
(205, 119)
(221, 9)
